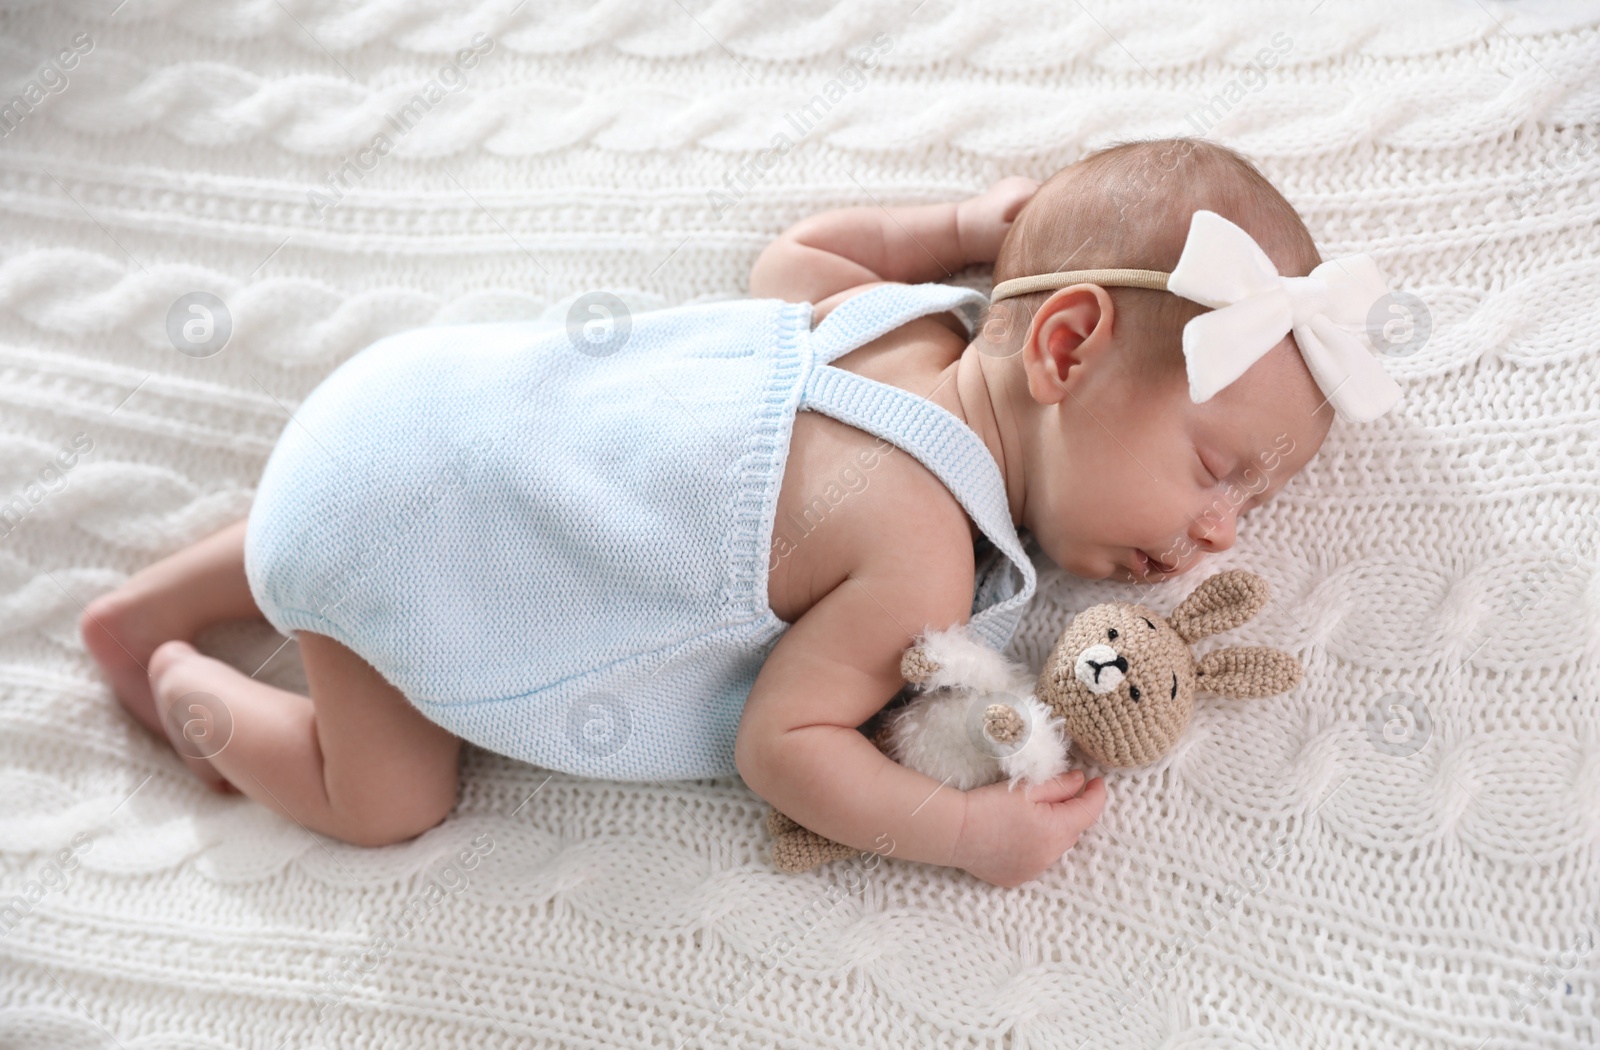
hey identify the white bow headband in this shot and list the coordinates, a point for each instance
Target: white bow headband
(1253, 307)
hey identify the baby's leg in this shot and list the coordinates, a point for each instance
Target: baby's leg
(177, 597)
(355, 760)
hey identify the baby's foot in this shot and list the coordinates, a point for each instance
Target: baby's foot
(119, 635)
(197, 723)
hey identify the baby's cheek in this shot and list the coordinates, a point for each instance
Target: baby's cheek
(1155, 510)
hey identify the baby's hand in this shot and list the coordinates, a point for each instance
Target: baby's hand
(982, 221)
(1010, 835)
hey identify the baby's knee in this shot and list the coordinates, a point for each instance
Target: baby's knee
(404, 817)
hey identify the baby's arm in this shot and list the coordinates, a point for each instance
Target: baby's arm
(835, 250)
(798, 747)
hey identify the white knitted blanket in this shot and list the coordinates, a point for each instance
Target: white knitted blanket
(1402, 852)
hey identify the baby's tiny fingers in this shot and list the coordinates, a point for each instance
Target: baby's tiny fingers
(1085, 809)
(1014, 191)
(1061, 786)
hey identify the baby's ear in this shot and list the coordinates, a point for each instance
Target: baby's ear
(1220, 603)
(1248, 671)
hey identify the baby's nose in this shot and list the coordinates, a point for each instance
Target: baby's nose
(1213, 531)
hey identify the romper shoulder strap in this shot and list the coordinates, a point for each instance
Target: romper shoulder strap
(950, 450)
(880, 310)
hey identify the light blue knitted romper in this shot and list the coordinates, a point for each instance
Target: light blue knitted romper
(562, 556)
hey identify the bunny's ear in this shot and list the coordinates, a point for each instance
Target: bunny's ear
(1220, 603)
(1248, 671)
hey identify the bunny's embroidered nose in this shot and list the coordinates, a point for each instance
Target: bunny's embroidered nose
(1100, 668)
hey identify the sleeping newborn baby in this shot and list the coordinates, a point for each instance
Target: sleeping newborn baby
(699, 546)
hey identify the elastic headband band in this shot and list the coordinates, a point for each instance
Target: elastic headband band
(1049, 282)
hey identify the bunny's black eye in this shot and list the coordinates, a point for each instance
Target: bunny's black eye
(1147, 623)
(1174, 695)
(1111, 635)
(1133, 691)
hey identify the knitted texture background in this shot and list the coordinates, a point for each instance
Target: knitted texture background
(1403, 851)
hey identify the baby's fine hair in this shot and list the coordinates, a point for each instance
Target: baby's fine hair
(1129, 206)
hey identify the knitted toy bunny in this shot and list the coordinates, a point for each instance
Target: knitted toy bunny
(1120, 682)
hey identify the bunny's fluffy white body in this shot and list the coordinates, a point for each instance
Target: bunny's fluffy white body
(940, 732)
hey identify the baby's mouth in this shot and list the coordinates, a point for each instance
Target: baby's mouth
(1149, 565)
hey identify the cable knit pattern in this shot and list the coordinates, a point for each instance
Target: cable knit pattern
(1402, 851)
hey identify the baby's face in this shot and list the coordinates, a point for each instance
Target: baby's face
(1144, 469)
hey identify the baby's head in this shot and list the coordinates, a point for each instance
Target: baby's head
(1117, 458)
